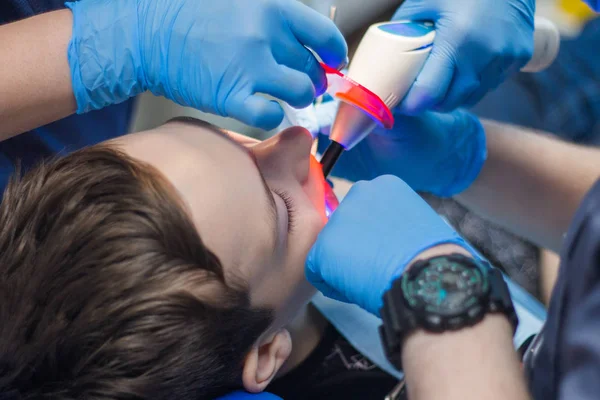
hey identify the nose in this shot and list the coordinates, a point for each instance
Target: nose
(286, 155)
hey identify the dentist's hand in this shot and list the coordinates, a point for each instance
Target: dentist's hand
(372, 236)
(436, 153)
(215, 56)
(478, 44)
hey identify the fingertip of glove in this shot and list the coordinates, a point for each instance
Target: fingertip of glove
(344, 63)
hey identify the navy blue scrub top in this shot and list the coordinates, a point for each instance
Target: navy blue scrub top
(567, 364)
(63, 136)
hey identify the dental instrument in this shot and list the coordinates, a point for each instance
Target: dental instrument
(386, 63)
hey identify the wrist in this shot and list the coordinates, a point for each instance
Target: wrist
(449, 347)
(483, 354)
(104, 54)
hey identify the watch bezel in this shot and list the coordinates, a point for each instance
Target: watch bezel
(437, 320)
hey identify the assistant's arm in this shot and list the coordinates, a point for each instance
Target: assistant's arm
(531, 184)
(472, 363)
(115, 50)
(380, 228)
(35, 80)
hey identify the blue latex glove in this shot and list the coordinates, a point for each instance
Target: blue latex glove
(249, 396)
(434, 152)
(378, 228)
(478, 44)
(213, 55)
(594, 4)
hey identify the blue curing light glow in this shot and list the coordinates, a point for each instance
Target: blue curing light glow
(424, 47)
(328, 210)
(407, 29)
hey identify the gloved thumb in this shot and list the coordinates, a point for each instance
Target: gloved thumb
(256, 110)
(432, 83)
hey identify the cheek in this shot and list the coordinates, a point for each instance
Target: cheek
(314, 188)
(295, 300)
(294, 291)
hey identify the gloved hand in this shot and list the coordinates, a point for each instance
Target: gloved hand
(212, 55)
(433, 152)
(478, 44)
(378, 228)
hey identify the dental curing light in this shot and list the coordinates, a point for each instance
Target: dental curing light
(366, 103)
(385, 65)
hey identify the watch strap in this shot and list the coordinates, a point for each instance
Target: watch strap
(500, 300)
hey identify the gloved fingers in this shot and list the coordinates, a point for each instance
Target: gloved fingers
(289, 85)
(405, 126)
(300, 59)
(255, 110)
(415, 11)
(317, 32)
(492, 75)
(431, 84)
(461, 88)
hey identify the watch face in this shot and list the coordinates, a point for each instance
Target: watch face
(445, 286)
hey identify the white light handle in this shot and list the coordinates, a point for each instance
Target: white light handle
(546, 42)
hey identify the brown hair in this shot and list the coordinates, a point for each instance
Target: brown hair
(107, 291)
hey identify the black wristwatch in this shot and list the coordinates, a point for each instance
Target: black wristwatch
(440, 294)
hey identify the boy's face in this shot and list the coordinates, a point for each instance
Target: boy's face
(257, 205)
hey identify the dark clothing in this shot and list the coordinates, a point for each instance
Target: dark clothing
(567, 364)
(63, 136)
(14, 10)
(517, 257)
(334, 370)
(564, 99)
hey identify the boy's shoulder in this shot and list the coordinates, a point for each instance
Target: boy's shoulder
(334, 370)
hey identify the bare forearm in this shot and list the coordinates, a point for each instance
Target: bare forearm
(35, 80)
(472, 363)
(532, 184)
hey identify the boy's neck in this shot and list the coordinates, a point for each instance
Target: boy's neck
(306, 330)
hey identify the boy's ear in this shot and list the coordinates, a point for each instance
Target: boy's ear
(265, 359)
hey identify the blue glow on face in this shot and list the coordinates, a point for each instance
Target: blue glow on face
(407, 29)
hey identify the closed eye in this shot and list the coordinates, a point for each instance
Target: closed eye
(290, 207)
